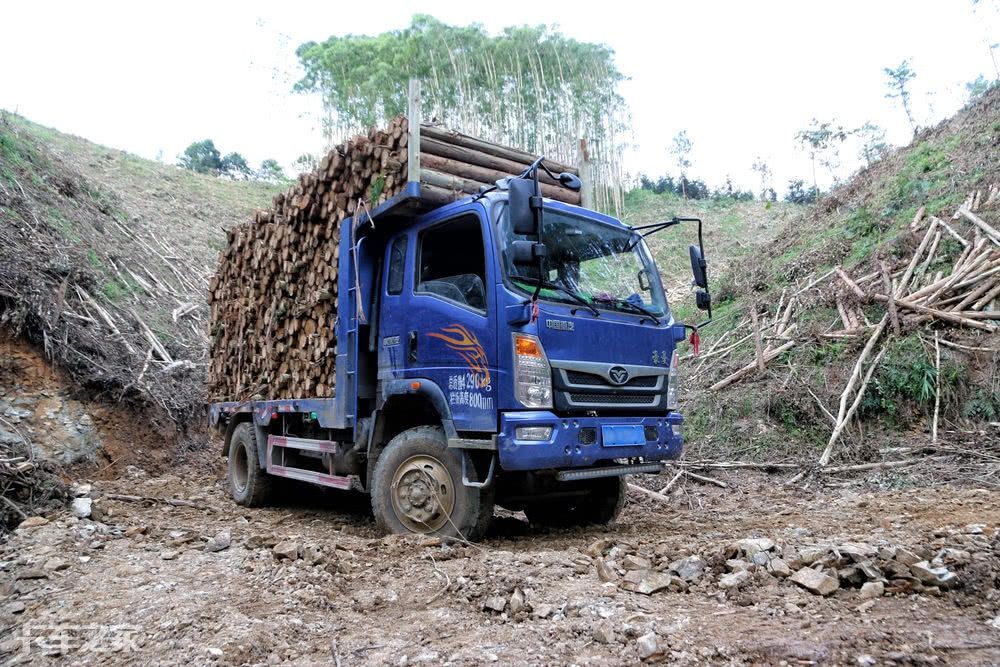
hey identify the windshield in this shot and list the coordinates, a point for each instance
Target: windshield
(609, 267)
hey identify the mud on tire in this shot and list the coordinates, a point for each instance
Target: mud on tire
(417, 488)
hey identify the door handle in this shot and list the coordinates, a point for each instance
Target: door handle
(411, 345)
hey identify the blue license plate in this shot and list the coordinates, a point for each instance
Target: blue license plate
(622, 436)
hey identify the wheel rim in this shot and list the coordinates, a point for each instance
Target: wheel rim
(241, 467)
(423, 494)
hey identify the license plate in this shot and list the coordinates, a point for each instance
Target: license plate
(622, 436)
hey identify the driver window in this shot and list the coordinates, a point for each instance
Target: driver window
(452, 262)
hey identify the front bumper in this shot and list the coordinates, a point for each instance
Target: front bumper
(577, 442)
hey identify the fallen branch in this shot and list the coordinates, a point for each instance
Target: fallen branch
(736, 465)
(673, 480)
(937, 388)
(904, 282)
(706, 480)
(746, 370)
(891, 301)
(14, 507)
(946, 227)
(758, 346)
(867, 466)
(969, 348)
(940, 314)
(843, 414)
(854, 287)
(652, 494)
(992, 233)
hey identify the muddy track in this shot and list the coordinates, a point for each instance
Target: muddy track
(309, 580)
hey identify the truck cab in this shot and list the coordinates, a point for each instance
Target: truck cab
(503, 349)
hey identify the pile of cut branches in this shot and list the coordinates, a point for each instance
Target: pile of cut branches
(27, 485)
(101, 294)
(910, 294)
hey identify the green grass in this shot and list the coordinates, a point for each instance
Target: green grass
(732, 230)
(65, 227)
(926, 178)
(114, 290)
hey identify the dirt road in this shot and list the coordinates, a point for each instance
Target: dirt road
(309, 581)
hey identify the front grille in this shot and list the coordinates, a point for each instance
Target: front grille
(585, 391)
(614, 399)
(587, 436)
(588, 379)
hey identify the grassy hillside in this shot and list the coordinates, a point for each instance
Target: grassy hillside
(732, 231)
(187, 207)
(104, 258)
(866, 220)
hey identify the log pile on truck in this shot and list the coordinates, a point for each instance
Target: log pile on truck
(274, 295)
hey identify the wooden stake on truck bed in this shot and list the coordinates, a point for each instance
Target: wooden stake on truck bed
(413, 133)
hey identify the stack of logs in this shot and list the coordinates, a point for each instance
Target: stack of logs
(274, 295)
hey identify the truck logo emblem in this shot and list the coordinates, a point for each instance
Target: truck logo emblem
(618, 375)
(469, 348)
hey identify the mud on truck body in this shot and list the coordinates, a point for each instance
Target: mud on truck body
(503, 349)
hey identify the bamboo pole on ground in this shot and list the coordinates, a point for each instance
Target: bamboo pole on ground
(842, 414)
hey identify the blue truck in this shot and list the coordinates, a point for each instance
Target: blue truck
(501, 350)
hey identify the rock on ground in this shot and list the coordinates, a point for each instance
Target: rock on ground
(815, 581)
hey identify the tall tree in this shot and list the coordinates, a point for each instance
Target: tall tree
(898, 82)
(235, 166)
(764, 172)
(305, 162)
(681, 150)
(821, 140)
(873, 146)
(977, 87)
(270, 171)
(529, 86)
(202, 157)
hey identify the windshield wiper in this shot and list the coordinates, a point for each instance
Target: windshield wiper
(633, 305)
(548, 284)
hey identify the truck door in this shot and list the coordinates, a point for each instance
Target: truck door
(436, 314)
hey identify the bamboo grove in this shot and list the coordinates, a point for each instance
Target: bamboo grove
(530, 87)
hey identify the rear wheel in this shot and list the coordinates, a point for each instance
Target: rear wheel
(600, 503)
(249, 485)
(417, 488)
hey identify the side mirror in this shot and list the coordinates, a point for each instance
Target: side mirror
(523, 219)
(526, 253)
(570, 181)
(698, 267)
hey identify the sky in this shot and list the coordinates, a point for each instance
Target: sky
(740, 77)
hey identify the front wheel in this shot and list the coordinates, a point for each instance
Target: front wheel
(600, 502)
(417, 488)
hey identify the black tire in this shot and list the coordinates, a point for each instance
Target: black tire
(249, 485)
(603, 502)
(423, 468)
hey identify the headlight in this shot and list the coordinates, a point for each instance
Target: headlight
(673, 379)
(532, 375)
